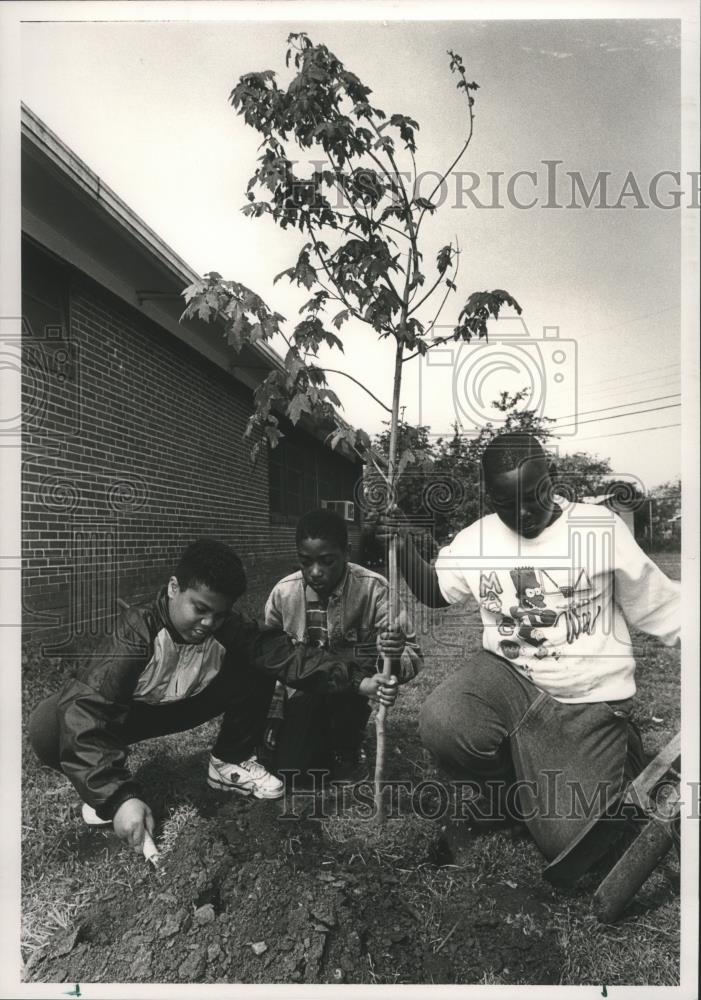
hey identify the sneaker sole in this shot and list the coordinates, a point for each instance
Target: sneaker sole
(94, 820)
(221, 786)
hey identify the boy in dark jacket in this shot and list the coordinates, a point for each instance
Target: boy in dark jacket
(170, 666)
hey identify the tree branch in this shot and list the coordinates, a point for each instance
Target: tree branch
(407, 205)
(436, 343)
(379, 469)
(437, 283)
(441, 340)
(428, 295)
(416, 174)
(357, 215)
(331, 277)
(336, 371)
(457, 158)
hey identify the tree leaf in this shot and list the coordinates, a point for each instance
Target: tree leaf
(237, 332)
(340, 318)
(299, 404)
(444, 258)
(204, 311)
(196, 288)
(362, 438)
(330, 396)
(289, 272)
(294, 364)
(338, 435)
(273, 435)
(332, 340)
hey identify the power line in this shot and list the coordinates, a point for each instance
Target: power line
(623, 384)
(648, 385)
(627, 322)
(638, 430)
(619, 406)
(647, 371)
(645, 385)
(617, 416)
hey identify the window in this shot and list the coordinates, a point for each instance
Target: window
(44, 295)
(302, 473)
(293, 478)
(50, 369)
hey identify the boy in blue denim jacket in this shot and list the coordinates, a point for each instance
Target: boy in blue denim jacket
(337, 605)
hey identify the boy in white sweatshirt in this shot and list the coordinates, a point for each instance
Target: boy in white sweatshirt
(543, 711)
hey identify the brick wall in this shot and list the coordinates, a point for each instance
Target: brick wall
(131, 448)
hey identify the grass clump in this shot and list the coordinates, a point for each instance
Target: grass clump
(401, 841)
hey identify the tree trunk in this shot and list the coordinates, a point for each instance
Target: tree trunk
(381, 713)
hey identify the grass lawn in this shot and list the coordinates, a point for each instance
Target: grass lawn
(66, 867)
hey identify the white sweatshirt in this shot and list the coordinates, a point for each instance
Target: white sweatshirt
(556, 606)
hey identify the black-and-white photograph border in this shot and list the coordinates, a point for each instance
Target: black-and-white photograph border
(349, 406)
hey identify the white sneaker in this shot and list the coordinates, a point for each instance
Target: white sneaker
(247, 778)
(91, 818)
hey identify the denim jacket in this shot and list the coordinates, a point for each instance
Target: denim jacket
(357, 612)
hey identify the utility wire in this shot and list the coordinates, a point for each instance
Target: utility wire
(619, 406)
(633, 386)
(638, 430)
(648, 385)
(645, 385)
(647, 371)
(617, 416)
(627, 322)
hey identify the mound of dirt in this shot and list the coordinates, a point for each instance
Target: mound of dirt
(247, 896)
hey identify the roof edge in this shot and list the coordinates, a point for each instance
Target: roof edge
(46, 141)
(70, 164)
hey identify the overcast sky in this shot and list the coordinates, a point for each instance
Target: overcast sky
(145, 105)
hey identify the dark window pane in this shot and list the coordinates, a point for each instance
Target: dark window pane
(303, 473)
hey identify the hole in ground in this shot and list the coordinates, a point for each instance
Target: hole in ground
(211, 895)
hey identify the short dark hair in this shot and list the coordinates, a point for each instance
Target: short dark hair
(322, 523)
(507, 451)
(213, 564)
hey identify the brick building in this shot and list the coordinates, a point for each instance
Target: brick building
(132, 421)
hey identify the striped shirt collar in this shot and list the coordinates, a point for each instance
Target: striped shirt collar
(311, 596)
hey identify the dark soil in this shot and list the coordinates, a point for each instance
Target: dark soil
(249, 896)
(245, 894)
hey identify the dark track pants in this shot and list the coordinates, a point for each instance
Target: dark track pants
(316, 725)
(243, 698)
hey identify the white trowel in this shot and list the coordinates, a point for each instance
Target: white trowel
(150, 850)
